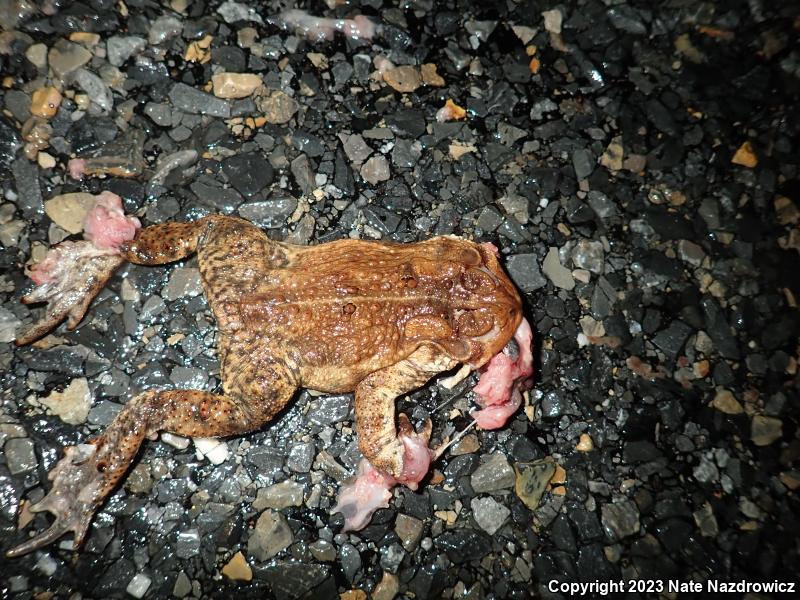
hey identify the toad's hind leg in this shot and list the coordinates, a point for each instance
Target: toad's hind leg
(403, 456)
(89, 472)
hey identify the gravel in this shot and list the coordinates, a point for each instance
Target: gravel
(635, 166)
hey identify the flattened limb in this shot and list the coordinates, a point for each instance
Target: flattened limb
(401, 456)
(392, 455)
(69, 278)
(89, 472)
(73, 273)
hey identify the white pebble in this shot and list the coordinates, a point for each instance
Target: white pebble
(211, 448)
(139, 585)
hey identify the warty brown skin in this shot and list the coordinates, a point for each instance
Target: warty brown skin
(376, 318)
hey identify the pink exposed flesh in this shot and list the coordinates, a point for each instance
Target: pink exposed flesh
(321, 29)
(499, 391)
(416, 460)
(76, 168)
(106, 225)
(492, 247)
(359, 499)
(369, 491)
(44, 271)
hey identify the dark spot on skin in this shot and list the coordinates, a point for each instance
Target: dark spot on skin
(409, 281)
(349, 308)
(205, 410)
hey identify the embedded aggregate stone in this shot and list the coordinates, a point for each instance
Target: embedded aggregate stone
(194, 101)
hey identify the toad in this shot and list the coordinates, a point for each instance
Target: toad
(378, 319)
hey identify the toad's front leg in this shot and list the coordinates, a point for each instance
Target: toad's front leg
(392, 455)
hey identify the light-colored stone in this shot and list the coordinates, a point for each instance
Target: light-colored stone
(376, 169)
(553, 20)
(237, 568)
(73, 404)
(271, 535)
(37, 54)
(388, 587)
(235, 85)
(281, 495)
(278, 107)
(430, 76)
(745, 156)
(215, 450)
(585, 443)
(404, 79)
(68, 210)
(765, 430)
(489, 514)
(725, 401)
(138, 585)
(556, 272)
(65, 57)
(183, 281)
(45, 102)
(45, 160)
(8, 325)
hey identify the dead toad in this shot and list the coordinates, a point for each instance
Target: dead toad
(380, 319)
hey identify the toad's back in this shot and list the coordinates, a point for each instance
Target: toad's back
(342, 310)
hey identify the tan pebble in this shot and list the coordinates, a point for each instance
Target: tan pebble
(37, 54)
(745, 156)
(85, 38)
(559, 490)
(319, 60)
(466, 445)
(790, 480)
(459, 149)
(198, 51)
(246, 37)
(585, 443)
(68, 210)
(765, 430)
(387, 588)
(450, 112)
(353, 595)
(45, 160)
(524, 33)
(559, 477)
(45, 102)
(404, 79)
(437, 477)
(430, 76)
(235, 85)
(237, 568)
(180, 6)
(724, 401)
(174, 338)
(786, 211)
(73, 404)
(701, 369)
(82, 101)
(37, 132)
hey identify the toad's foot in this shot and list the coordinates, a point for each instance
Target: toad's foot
(68, 279)
(370, 490)
(73, 273)
(499, 391)
(365, 494)
(79, 486)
